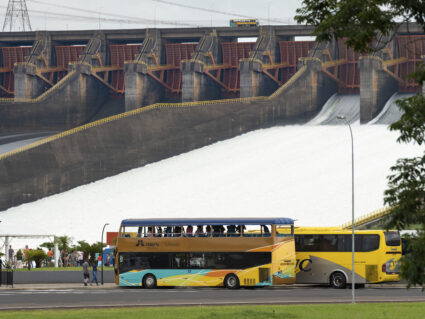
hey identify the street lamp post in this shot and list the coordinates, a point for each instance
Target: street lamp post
(353, 274)
(101, 251)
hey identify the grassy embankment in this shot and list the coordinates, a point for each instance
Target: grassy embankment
(346, 311)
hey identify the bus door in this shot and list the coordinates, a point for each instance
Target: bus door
(391, 262)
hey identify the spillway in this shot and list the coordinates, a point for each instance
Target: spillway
(390, 113)
(300, 171)
(347, 105)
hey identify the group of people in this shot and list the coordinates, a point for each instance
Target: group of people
(95, 265)
(18, 259)
(180, 231)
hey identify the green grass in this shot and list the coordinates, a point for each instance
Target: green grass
(345, 311)
(59, 269)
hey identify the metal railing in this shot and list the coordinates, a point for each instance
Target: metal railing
(368, 218)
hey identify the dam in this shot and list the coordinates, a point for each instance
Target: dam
(120, 99)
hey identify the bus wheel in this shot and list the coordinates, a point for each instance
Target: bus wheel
(338, 280)
(231, 281)
(149, 281)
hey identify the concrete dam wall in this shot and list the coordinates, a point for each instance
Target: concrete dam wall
(145, 135)
(279, 80)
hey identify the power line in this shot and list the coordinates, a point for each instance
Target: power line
(120, 18)
(218, 11)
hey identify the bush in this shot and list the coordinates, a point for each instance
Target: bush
(36, 255)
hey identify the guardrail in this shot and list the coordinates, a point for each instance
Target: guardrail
(368, 218)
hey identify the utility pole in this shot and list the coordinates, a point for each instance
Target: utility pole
(17, 18)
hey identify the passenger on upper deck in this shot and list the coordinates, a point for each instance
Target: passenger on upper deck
(150, 231)
(168, 231)
(266, 230)
(178, 230)
(199, 231)
(241, 229)
(159, 232)
(189, 231)
(231, 231)
(208, 231)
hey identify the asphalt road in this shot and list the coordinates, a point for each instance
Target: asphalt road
(74, 298)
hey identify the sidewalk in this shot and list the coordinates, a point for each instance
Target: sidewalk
(58, 286)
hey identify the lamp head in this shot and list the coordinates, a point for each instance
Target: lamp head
(341, 117)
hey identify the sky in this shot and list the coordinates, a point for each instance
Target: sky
(130, 14)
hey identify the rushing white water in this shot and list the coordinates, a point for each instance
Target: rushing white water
(390, 112)
(339, 104)
(303, 172)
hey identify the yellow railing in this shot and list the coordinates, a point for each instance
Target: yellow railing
(124, 115)
(365, 219)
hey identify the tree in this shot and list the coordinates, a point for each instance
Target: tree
(89, 250)
(36, 255)
(362, 22)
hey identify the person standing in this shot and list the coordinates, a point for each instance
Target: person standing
(86, 274)
(50, 255)
(94, 273)
(11, 256)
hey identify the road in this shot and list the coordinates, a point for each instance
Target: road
(9, 143)
(81, 297)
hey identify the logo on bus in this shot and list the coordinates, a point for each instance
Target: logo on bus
(142, 244)
(304, 265)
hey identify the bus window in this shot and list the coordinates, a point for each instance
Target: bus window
(179, 261)
(392, 238)
(329, 243)
(284, 231)
(130, 231)
(196, 260)
(311, 243)
(363, 243)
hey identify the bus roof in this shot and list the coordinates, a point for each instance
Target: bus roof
(206, 221)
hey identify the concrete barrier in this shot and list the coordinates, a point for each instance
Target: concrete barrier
(52, 277)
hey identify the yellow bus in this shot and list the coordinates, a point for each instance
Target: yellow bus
(229, 252)
(243, 23)
(324, 256)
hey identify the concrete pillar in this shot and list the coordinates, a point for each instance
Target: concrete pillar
(86, 91)
(6, 249)
(56, 253)
(376, 87)
(253, 82)
(140, 88)
(95, 51)
(27, 84)
(196, 84)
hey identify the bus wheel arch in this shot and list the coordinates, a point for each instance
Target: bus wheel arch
(149, 281)
(231, 281)
(338, 280)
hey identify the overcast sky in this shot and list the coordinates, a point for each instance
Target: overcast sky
(129, 14)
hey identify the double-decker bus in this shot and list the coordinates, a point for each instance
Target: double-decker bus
(243, 23)
(324, 256)
(229, 252)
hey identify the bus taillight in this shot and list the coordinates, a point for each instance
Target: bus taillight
(384, 268)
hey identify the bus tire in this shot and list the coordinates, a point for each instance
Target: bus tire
(338, 280)
(231, 281)
(149, 281)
